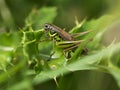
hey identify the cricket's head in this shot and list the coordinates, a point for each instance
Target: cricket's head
(49, 28)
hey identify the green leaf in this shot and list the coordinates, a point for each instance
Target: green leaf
(25, 84)
(90, 62)
(8, 44)
(37, 18)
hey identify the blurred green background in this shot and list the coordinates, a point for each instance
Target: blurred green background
(67, 10)
(12, 17)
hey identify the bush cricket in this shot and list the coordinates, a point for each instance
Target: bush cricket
(64, 40)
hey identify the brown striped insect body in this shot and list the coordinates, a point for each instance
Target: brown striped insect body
(64, 39)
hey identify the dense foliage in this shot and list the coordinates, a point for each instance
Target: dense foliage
(25, 49)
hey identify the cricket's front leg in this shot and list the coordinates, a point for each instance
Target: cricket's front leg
(53, 50)
(51, 56)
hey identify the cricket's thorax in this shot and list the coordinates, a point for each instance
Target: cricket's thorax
(54, 29)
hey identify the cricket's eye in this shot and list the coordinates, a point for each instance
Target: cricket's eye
(46, 26)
